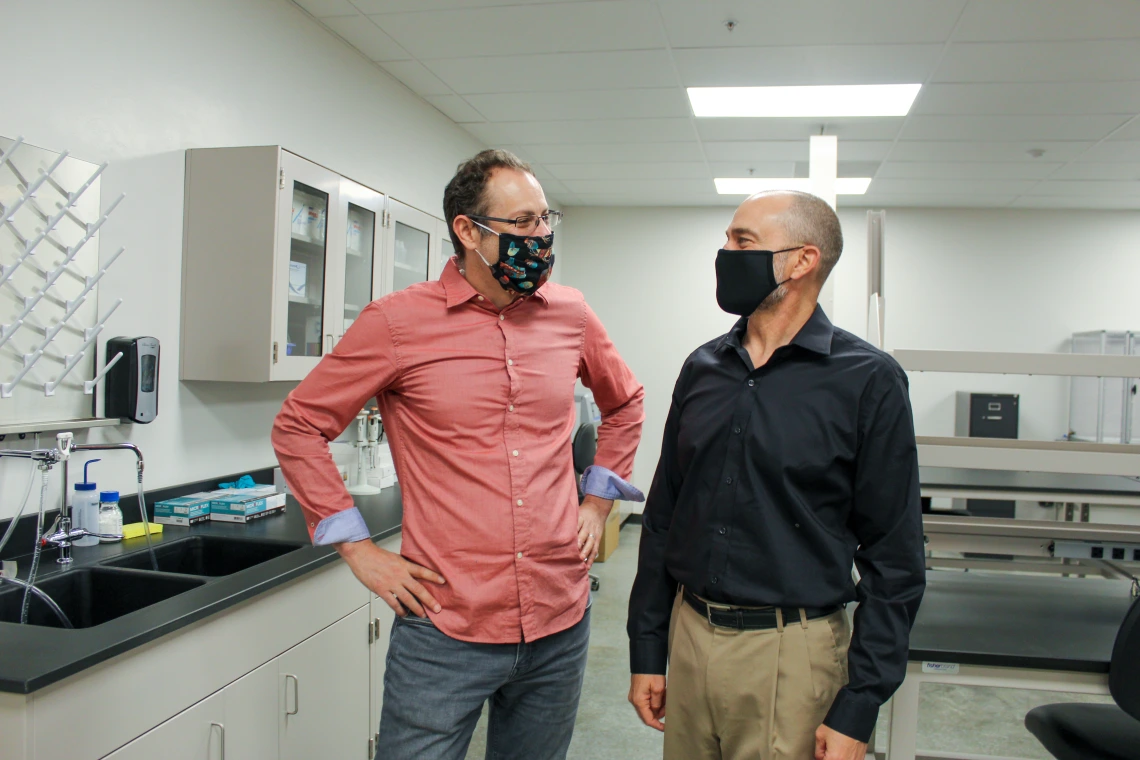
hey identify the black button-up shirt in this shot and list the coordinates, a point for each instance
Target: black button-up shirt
(771, 482)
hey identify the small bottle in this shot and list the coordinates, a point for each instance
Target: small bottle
(85, 508)
(110, 516)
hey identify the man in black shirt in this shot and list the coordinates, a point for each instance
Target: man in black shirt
(788, 455)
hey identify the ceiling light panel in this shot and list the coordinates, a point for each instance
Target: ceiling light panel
(827, 101)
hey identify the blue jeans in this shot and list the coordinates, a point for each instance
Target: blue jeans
(435, 687)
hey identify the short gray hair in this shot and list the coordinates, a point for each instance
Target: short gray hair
(809, 220)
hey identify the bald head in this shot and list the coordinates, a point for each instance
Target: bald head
(795, 218)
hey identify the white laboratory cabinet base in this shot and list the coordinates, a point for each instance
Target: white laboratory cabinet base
(289, 674)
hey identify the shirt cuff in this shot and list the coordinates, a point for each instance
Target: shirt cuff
(344, 526)
(853, 715)
(648, 656)
(606, 484)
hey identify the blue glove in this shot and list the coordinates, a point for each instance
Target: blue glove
(245, 481)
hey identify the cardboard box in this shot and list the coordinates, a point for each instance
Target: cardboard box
(184, 510)
(609, 540)
(244, 505)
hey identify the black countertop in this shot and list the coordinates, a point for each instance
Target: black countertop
(1019, 621)
(32, 657)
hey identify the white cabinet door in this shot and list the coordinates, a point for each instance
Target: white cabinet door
(443, 250)
(360, 215)
(412, 240)
(194, 734)
(250, 706)
(308, 265)
(323, 693)
(382, 619)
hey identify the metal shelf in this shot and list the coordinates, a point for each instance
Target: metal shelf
(58, 425)
(1003, 363)
(1030, 456)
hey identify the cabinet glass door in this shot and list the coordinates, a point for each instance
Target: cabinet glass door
(308, 254)
(362, 213)
(412, 242)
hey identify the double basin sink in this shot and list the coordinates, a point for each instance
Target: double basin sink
(115, 587)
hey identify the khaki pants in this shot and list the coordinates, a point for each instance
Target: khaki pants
(759, 695)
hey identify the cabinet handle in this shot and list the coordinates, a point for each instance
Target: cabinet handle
(328, 344)
(222, 730)
(296, 694)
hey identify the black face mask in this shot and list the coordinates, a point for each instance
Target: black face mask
(524, 262)
(745, 278)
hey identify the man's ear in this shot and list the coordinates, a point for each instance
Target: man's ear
(808, 263)
(467, 231)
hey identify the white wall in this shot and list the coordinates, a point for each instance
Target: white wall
(136, 83)
(955, 279)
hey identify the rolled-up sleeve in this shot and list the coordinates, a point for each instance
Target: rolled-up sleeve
(363, 364)
(619, 397)
(886, 518)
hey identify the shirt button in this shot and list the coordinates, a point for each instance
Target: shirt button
(715, 580)
(515, 453)
(797, 525)
(736, 430)
(751, 383)
(510, 362)
(519, 502)
(722, 531)
(728, 480)
(511, 408)
(520, 555)
(502, 317)
(480, 298)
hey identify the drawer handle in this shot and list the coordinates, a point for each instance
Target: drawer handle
(222, 730)
(296, 694)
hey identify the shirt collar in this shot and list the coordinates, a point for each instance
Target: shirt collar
(459, 291)
(815, 335)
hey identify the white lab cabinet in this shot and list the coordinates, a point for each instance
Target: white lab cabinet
(280, 256)
(382, 620)
(194, 734)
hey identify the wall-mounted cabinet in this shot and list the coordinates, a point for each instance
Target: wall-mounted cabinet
(280, 256)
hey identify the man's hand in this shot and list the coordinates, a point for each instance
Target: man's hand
(832, 745)
(591, 522)
(391, 577)
(647, 695)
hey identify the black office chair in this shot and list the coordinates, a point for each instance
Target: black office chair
(585, 448)
(1099, 732)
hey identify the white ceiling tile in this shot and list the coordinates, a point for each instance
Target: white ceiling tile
(1084, 202)
(523, 29)
(941, 151)
(724, 130)
(1010, 127)
(660, 199)
(807, 65)
(416, 77)
(950, 186)
(1088, 188)
(633, 152)
(596, 104)
(640, 186)
(939, 200)
(405, 6)
(1099, 61)
(702, 24)
(693, 170)
(966, 170)
(366, 37)
(585, 132)
(557, 72)
(1006, 20)
(1059, 98)
(1112, 151)
(326, 8)
(770, 151)
(456, 109)
(1099, 171)
(1128, 132)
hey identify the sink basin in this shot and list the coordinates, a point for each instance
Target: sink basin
(205, 555)
(92, 596)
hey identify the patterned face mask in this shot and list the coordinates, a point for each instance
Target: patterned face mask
(524, 261)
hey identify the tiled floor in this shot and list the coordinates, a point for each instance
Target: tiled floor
(967, 720)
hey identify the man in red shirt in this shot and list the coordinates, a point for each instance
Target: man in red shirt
(474, 375)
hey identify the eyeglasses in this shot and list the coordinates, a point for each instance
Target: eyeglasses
(527, 223)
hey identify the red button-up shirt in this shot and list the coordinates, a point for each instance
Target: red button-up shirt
(478, 406)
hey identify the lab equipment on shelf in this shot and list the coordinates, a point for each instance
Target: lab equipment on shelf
(110, 517)
(367, 439)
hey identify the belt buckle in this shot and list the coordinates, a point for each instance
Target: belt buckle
(723, 608)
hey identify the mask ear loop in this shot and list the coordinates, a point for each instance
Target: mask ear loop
(478, 253)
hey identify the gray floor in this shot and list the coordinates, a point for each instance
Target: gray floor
(967, 720)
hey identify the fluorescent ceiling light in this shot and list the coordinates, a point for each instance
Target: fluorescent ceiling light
(805, 102)
(752, 185)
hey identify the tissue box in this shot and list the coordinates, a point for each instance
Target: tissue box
(242, 505)
(184, 510)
